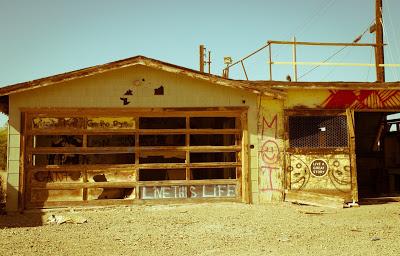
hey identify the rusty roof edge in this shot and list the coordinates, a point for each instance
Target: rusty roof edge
(276, 93)
(338, 85)
(138, 60)
(63, 77)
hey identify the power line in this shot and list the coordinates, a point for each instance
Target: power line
(334, 68)
(327, 59)
(317, 12)
(396, 49)
(370, 61)
(393, 30)
(390, 52)
(347, 53)
(320, 12)
(335, 53)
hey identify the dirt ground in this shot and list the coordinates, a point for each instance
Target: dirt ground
(206, 229)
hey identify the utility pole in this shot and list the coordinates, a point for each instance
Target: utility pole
(203, 61)
(209, 62)
(379, 53)
(202, 49)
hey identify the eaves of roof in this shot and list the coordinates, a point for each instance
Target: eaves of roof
(285, 85)
(144, 61)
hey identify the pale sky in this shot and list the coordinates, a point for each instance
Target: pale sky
(47, 37)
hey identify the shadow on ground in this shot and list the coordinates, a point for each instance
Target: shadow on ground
(378, 200)
(18, 219)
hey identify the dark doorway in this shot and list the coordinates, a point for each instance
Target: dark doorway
(378, 153)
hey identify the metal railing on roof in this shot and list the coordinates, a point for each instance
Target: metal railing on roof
(294, 61)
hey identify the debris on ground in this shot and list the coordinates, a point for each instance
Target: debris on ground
(355, 229)
(314, 212)
(204, 229)
(60, 219)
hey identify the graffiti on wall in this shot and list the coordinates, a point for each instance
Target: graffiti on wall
(269, 153)
(299, 172)
(57, 122)
(194, 191)
(340, 175)
(337, 177)
(362, 99)
(110, 123)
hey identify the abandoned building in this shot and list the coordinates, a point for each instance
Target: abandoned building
(142, 131)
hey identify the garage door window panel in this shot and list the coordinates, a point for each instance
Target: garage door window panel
(114, 157)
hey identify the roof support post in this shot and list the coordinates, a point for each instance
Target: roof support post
(294, 59)
(379, 53)
(270, 61)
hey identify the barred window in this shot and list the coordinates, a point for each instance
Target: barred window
(318, 131)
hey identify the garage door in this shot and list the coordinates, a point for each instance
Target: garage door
(95, 157)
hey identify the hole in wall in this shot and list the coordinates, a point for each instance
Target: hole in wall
(124, 101)
(159, 90)
(128, 92)
(112, 193)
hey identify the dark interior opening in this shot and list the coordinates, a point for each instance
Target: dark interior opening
(162, 157)
(57, 141)
(80, 159)
(111, 140)
(179, 157)
(162, 123)
(212, 139)
(213, 173)
(212, 122)
(213, 157)
(162, 140)
(162, 174)
(125, 158)
(378, 153)
(318, 131)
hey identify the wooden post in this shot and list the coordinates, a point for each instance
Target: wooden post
(352, 147)
(379, 53)
(244, 70)
(286, 155)
(22, 197)
(137, 157)
(225, 72)
(202, 58)
(245, 160)
(84, 170)
(294, 59)
(270, 62)
(187, 144)
(209, 62)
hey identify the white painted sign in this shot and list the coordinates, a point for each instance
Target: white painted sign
(195, 191)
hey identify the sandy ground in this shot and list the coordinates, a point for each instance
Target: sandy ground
(207, 229)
